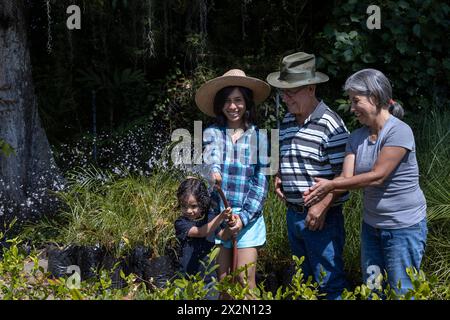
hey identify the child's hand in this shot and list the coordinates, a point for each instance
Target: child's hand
(227, 213)
(232, 220)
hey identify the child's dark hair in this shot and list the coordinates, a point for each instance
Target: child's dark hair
(197, 188)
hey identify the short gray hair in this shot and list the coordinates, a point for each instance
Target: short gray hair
(374, 84)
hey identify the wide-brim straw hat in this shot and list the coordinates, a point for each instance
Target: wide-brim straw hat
(296, 70)
(204, 98)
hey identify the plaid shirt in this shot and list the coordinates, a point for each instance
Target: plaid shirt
(243, 183)
(314, 149)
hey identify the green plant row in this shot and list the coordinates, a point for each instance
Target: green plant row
(36, 284)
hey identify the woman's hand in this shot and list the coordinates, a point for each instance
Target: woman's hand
(318, 191)
(278, 188)
(217, 178)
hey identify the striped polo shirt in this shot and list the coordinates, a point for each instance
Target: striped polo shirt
(314, 149)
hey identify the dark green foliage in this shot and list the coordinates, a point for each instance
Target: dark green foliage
(147, 58)
(411, 48)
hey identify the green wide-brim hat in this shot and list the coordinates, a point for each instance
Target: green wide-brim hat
(296, 70)
(204, 98)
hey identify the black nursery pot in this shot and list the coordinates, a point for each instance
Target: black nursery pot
(87, 258)
(92, 259)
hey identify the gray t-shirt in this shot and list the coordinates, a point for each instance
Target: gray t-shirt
(398, 202)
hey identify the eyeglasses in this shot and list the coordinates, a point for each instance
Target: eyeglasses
(290, 92)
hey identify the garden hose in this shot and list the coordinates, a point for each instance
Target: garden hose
(231, 220)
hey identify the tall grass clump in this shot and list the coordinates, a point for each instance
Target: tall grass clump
(353, 210)
(119, 212)
(277, 246)
(433, 150)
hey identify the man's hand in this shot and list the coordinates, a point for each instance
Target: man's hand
(278, 188)
(315, 219)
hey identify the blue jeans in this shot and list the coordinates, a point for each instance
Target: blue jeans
(322, 249)
(392, 251)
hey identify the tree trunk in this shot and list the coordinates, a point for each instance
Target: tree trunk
(28, 175)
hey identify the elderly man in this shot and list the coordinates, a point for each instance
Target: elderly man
(312, 144)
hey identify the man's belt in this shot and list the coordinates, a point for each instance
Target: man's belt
(297, 207)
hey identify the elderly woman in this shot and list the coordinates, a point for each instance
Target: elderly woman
(381, 159)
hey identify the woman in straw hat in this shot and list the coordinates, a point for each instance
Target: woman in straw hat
(231, 151)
